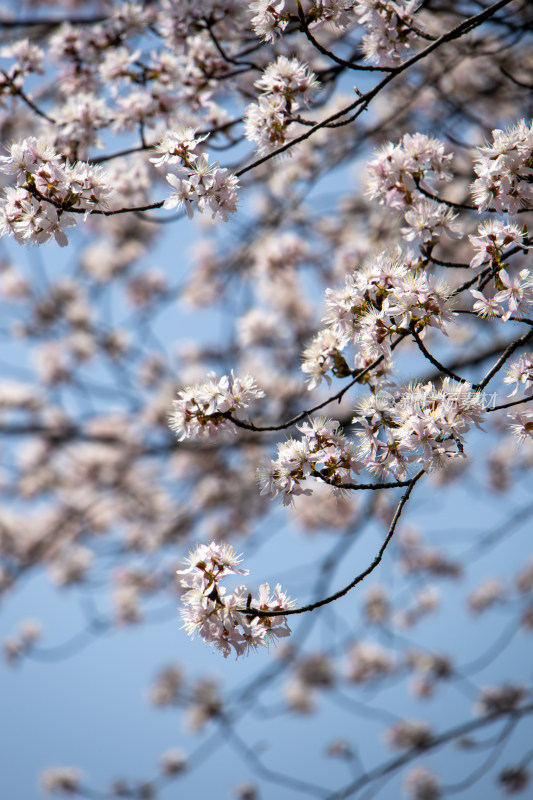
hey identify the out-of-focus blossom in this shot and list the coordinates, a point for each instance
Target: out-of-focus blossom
(520, 372)
(421, 784)
(61, 780)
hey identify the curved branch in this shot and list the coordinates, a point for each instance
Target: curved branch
(505, 355)
(249, 426)
(462, 206)
(341, 61)
(509, 405)
(362, 575)
(49, 22)
(434, 361)
(24, 97)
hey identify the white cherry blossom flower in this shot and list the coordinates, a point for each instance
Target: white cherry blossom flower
(520, 372)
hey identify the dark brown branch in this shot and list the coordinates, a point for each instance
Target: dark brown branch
(357, 486)
(49, 22)
(144, 148)
(97, 211)
(228, 59)
(434, 361)
(24, 97)
(487, 272)
(509, 350)
(509, 405)
(455, 265)
(515, 80)
(471, 360)
(341, 61)
(362, 575)
(462, 206)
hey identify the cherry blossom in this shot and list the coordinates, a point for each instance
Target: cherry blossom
(225, 620)
(202, 409)
(393, 174)
(323, 452)
(282, 83)
(504, 170)
(520, 372)
(389, 34)
(494, 236)
(522, 424)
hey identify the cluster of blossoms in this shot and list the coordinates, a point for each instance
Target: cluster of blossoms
(426, 220)
(323, 356)
(270, 18)
(429, 669)
(61, 780)
(394, 174)
(335, 12)
(282, 83)
(494, 236)
(420, 425)
(197, 183)
(517, 292)
(505, 170)
(388, 23)
(520, 371)
(380, 299)
(28, 57)
(47, 188)
(389, 30)
(311, 674)
(323, 452)
(18, 645)
(498, 699)
(418, 558)
(514, 779)
(369, 662)
(489, 593)
(218, 617)
(203, 409)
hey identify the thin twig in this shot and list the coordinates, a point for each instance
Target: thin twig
(341, 61)
(434, 361)
(508, 405)
(509, 350)
(24, 97)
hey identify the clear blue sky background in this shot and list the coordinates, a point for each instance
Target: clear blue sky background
(91, 710)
